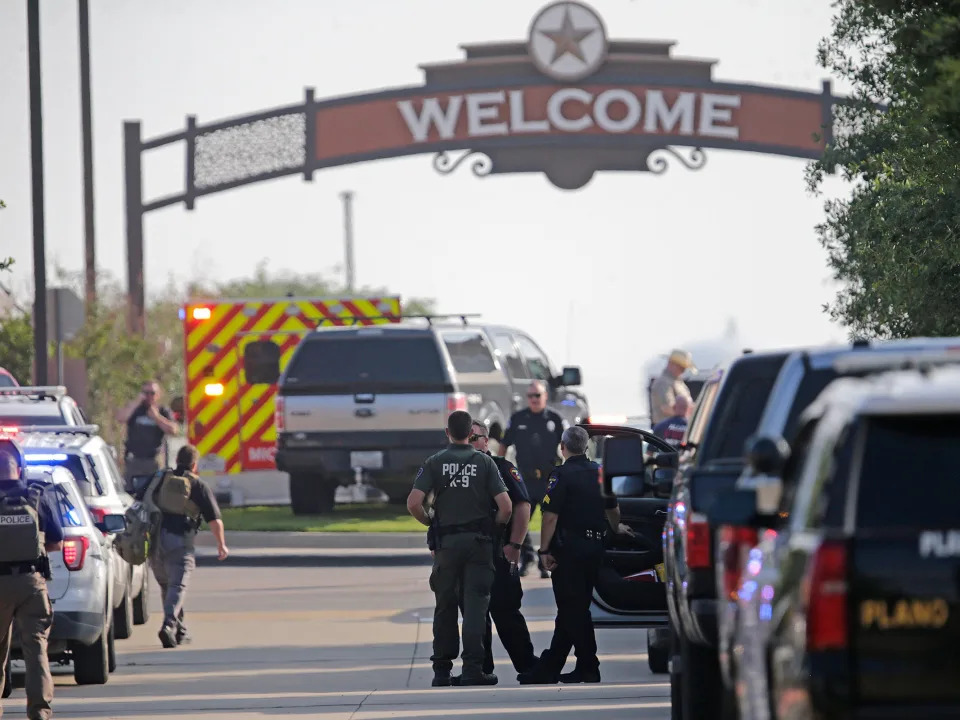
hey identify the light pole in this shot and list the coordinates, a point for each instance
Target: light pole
(36, 158)
(90, 252)
(347, 196)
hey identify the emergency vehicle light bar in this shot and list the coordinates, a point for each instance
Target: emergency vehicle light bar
(56, 429)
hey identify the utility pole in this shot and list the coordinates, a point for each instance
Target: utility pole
(36, 159)
(90, 252)
(347, 196)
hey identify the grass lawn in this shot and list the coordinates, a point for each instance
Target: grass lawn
(345, 518)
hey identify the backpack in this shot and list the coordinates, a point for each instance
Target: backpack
(21, 540)
(142, 525)
(173, 497)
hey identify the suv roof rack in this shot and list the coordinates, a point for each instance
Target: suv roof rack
(431, 317)
(350, 321)
(887, 361)
(53, 392)
(49, 429)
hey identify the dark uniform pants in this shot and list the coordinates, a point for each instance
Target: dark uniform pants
(536, 489)
(573, 581)
(463, 561)
(505, 599)
(173, 560)
(24, 598)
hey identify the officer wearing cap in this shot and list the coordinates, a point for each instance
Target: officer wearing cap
(667, 387)
(29, 529)
(575, 518)
(506, 595)
(536, 432)
(464, 482)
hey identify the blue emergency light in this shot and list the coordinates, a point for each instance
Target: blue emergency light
(38, 458)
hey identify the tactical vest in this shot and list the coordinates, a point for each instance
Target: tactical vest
(173, 495)
(21, 540)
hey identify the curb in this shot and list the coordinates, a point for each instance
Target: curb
(317, 541)
(294, 557)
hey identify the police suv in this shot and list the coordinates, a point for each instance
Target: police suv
(855, 596)
(81, 587)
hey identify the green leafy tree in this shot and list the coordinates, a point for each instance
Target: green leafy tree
(893, 243)
(16, 345)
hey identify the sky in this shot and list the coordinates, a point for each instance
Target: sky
(608, 277)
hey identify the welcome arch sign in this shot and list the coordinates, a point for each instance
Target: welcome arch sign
(566, 102)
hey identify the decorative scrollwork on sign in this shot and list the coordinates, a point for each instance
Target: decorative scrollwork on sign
(250, 149)
(445, 164)
(659, 164)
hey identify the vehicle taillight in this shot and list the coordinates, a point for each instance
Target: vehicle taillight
(827, 597)
(278, 413)
(75, 552)
(456, 401)
(645, 576)
(697, 545)
(735, 543)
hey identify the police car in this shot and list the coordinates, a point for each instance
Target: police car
(88, 458)
(81, 586)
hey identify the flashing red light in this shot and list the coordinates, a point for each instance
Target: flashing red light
(75, 552)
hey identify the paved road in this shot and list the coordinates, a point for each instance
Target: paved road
(338, 642)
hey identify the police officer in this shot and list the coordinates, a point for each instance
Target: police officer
(506, 595)
(464, 481)
(148, 423)
(29, 529)
(536, 432)
(666, 388)
(184, 500)
(575, 517)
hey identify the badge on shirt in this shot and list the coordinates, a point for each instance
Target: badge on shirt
(551, 426)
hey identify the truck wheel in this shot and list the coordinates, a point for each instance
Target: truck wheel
(311, 495)
(91, 663)
(141, 603)
(676, 678)
(658, 656)
(700, 684)
(7, 680)
(123, 617)
(111, 650)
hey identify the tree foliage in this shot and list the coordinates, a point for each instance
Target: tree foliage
(894, 242)
(16, 344)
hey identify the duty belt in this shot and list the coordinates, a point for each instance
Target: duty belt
(482, 527)
(19, 568)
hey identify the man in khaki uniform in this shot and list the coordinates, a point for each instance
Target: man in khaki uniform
(29, 529)
(668, 386)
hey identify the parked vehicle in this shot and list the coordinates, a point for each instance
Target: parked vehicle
(7, 379)
(727, 413)
(370, 403)
(87, 457)
(81, 585)
(856, 585)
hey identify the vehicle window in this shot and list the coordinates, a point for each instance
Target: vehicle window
(509, 357)
(6, 381)
(908, 475)
(738, 418)
(701, 413)
(261, 362)
(368, 364)
(812, 473)
(469, 352)
(799, 450)
(83, 473)
(536, 360)
(810, 387)
(71, 506)
(107, 479)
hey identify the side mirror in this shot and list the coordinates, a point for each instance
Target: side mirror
(112, 524)
(663, 482)
(571, 377)
(767, 455)
(667, 460)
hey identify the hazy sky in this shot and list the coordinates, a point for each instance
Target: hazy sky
(606, 277)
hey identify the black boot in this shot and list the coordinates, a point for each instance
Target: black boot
(441, 678)
(581, 676)
(481, 679)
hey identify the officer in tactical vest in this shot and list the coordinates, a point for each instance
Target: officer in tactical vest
(184, 501)
(29, 529)
(575, 518)
(506, 595)
(463, 481)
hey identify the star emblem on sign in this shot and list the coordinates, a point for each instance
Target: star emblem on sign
(567, 38)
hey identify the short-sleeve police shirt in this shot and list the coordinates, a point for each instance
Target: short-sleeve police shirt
(574, 494)
(537, 437)
(516, 488)
(465, 481)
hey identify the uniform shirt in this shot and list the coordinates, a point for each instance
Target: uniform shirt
(201, 495)
(144, 436)
(470, 479)
(663, 393)
(671, 429)
(48, 509)
(537, 437)
(515, 486)
(574, 495)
